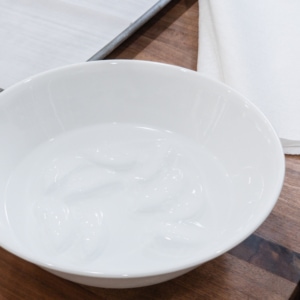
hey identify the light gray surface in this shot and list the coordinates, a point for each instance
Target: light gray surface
(39, 35)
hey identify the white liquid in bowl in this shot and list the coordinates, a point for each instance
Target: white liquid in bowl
(113, 196)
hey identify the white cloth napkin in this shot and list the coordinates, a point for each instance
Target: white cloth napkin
(38, 35)
(254, 47)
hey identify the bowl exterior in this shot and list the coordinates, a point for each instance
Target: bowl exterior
(121, 282)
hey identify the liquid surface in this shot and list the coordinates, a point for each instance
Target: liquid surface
(117, 195)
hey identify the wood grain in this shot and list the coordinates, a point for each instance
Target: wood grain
(282, 226)
(170, 37)
(269, 256)
(265, 266)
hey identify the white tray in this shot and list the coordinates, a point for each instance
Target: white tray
(38, 35)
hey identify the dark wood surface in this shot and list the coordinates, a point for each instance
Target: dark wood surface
(265, 266)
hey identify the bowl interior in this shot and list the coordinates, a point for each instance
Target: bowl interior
(127, 167)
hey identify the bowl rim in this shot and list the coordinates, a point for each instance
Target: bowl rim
(197, 260)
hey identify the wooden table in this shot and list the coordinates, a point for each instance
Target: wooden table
(265, 266)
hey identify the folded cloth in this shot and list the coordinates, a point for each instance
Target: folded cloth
(254, 47)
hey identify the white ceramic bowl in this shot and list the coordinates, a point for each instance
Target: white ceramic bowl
(129, 173)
